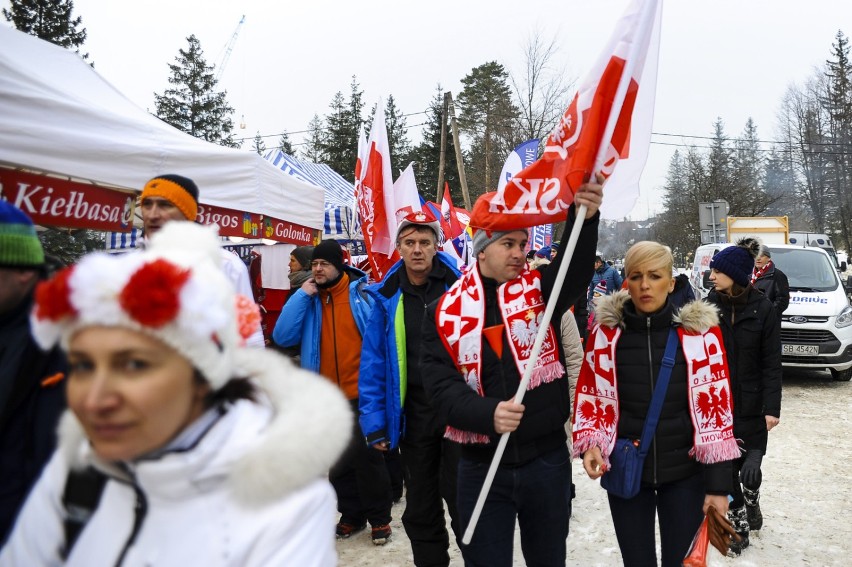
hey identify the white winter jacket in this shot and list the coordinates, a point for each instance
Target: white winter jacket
(252, 491)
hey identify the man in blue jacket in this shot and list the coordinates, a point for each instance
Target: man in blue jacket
(328, 315)
(394, 407)
(605, 281)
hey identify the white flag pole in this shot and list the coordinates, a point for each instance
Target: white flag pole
(646, 26)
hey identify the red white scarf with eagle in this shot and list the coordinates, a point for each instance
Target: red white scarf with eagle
(460, 318)
(595, 420)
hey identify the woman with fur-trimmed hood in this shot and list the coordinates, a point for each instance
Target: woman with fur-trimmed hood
(180, 446)
(688, 467)
(751, 332)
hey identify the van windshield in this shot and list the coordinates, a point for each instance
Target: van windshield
(806, 270)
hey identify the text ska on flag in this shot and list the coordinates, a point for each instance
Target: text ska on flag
(607, 123)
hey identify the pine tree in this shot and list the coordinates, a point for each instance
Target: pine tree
(284, 144)
(258, 145)
(749, 168)
(336, 146)
(356, 109)
(838, 105)
(192, 105)
(487, 115)
(49, 20)
(779, 184)
(342, 127)
(398, 142)
(678, 225)
(313, 148)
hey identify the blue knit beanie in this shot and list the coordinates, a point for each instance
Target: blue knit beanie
(737, 262)
(544, 253)
(19, 244)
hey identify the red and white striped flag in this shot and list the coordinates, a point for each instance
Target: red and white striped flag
(374, 197)
(607, 123)
(449, 220)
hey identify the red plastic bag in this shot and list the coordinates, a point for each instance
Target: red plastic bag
(697, 555)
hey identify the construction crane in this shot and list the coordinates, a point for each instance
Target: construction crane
(229, 47)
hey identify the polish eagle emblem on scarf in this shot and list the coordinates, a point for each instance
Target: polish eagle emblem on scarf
(713, 405)
(597, 414)
(524, 331)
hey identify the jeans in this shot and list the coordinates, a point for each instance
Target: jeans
(537, 493)
(679, 507)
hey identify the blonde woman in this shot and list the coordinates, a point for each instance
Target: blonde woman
(688, 467)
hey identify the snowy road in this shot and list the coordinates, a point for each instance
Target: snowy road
(806, 495)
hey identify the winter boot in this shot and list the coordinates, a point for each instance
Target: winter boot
(752, 505)
(739, 519)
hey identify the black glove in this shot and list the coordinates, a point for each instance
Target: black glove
(750, 474)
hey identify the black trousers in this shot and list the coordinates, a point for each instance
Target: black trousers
(360, 479)
(677, 506)
(430, 464)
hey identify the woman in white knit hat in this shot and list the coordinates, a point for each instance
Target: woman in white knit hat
(180, 447)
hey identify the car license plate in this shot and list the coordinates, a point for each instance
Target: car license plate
(800, 350)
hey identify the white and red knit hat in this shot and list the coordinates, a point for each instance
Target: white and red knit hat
(174, 291)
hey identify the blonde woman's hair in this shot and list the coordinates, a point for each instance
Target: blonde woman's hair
(649, 254)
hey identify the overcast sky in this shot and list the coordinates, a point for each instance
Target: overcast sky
(732, 59)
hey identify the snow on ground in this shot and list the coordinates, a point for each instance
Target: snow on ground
(806, 495)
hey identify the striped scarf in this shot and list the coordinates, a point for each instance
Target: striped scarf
(596, 407)
(460, 318)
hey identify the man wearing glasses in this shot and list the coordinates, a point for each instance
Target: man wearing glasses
(328, 315)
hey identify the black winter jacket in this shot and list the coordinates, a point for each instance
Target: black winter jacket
(30, 410)
(639, 355)
(547, 407)
(774, 285)
(752, 340)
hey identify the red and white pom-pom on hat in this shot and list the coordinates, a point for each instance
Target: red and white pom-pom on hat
(174, 291)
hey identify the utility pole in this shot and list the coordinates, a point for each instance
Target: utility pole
(459, 158)
(442, 160)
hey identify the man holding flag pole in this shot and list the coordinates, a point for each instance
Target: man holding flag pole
(471, 380)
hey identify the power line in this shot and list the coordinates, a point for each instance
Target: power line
(785, 150)
(786, 145)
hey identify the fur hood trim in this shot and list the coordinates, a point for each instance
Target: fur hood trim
(694, 317)
(309, 430)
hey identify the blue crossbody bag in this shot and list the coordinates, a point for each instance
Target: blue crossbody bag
(625, 473)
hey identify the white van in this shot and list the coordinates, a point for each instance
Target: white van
(816, 328)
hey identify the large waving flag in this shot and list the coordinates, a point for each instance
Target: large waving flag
(374, 197)
(606, 124)
(594, 135)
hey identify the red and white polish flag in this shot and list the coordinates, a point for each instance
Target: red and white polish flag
(374, 197)
(449, 219)
(607, 124)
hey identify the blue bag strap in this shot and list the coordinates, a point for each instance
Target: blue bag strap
(659, 393)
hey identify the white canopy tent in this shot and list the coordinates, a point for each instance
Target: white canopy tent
(59, 116)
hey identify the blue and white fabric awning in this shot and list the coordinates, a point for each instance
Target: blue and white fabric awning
(122, 241)
(341, 217)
